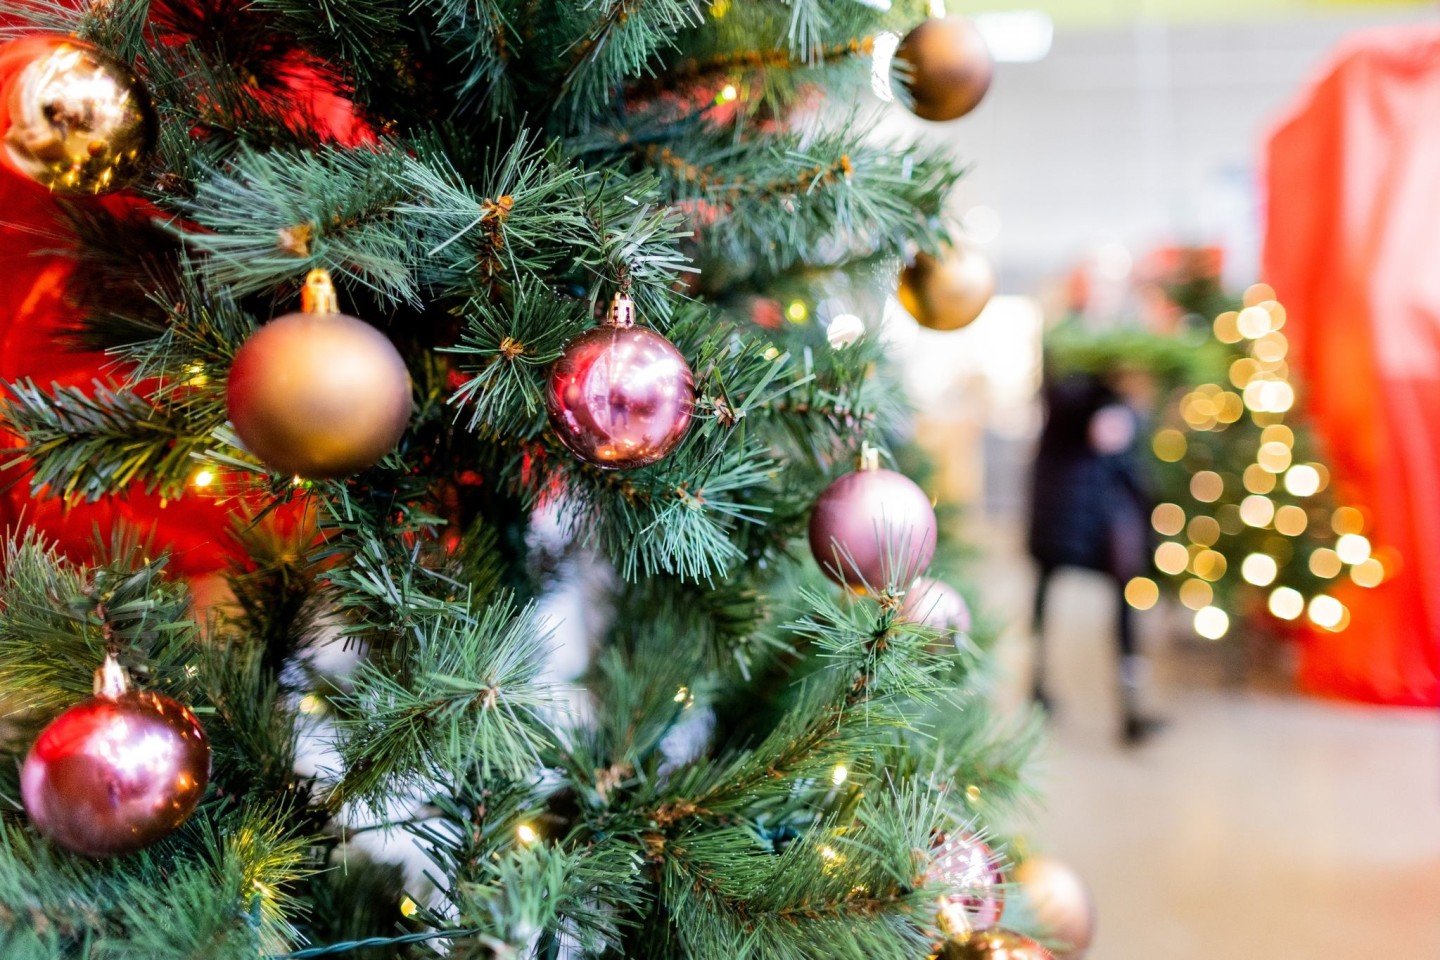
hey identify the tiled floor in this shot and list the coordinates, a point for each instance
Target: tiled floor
(1258, 826)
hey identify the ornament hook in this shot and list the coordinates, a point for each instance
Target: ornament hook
(869, 457)
(318, 294)
(622, 312)
(111, 681)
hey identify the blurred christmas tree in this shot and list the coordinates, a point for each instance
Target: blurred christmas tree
(1243, 497)
(569, 223)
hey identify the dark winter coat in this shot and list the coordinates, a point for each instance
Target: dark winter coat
(1088, 509)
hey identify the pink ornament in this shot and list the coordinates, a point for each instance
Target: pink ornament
(873, 528)
(965, 865)
(620, 396)
(938, 606)
(117, 772)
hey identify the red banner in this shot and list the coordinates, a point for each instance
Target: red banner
(1353, 251)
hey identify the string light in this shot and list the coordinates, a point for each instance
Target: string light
(727, 94)
(526, 834)
(1258, 480)
(797, 312)
(1253, 322)
(1142, 593)
(1347, 520)
(1274, 456)
(1259, 569)
(1291, 520)
(1209, 565)
(1171, 558)
(1369, 573)
(408, 908)
(1286, 603)
(1227, 329)
(1326, 611)
(1207, 486)
(1196, 594)
(1257, 511)
(840, 774)
(1212, 623)
(1168, 519)
(1302, 480)
(1353, 548)
(203, 478)
(1326, 563)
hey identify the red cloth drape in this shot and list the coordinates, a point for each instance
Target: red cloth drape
(1353, 251)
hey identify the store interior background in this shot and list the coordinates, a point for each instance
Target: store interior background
(1260, 823)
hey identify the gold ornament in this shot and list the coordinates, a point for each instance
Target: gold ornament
(950, 67)
(74, 119)
(994, 945)
(949, 293)
(319, 394)
(1061, 902)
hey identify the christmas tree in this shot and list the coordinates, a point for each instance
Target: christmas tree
(607, 260)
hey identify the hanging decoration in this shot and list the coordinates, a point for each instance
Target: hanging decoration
(72, 118)
(1061, 903)
(947, 293)
(950, 67)
(873, 528)
(117, 772)
(318, 394)
(620, 396)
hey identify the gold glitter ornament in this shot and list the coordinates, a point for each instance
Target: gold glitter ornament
(72, 118)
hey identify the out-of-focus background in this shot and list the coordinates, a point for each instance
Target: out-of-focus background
(1119, 154)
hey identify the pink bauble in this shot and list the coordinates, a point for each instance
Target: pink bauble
(938, 606)
(1061, 902)
(114, 774)
(620, 396)
(965, 865)
(873, 528)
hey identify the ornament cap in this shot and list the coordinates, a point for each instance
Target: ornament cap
(622, 313)
(869, 457)
(111, 681)
(318, 295)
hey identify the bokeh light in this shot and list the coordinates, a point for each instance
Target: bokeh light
(1327, 612)
(1286, 603)
(1172, 557)
(1253, 322)
(1212, 623)
(1258, 293)
(1302, 480)
(1207, 486)
(1326, 563)
(1353, 548)
(1227, 327)
(1142, 593)
(1259, 569)
(1291, 520)
(1347, 520)
(1370, 573)
(1204, 531)
(1209, 564)
(1257, 511)
(1258, 480)
(1169, 445)
(1274, 456)
(1168, 519)
(1196, 594)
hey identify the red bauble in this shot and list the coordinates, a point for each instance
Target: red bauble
(873, 528)
(938, 606)
(620, 396)
(116, 773)
(994, 945)
(966, 866)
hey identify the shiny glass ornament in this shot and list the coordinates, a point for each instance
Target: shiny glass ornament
(938, 606)
(1061, 903)
(969, 869)
(318, 394)
(950, 67)
(994, 945)
(72, 118)
(948, 293)
(117, 772)
(872, 528)
(620, 396)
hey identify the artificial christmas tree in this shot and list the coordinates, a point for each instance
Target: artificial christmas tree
(756, 762)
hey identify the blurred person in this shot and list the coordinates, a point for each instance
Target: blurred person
(1090, 509)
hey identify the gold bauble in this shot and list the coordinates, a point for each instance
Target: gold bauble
(994, 945)
(950, 67)
(74, 119)
(1061, 903)
(319, 394)
(948, 293)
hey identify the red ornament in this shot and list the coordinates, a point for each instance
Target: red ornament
(117, 772)
(620, 396)
(872, 528)
(965, 865)
(938, 606)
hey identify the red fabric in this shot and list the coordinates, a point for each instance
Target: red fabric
(1353, 251)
